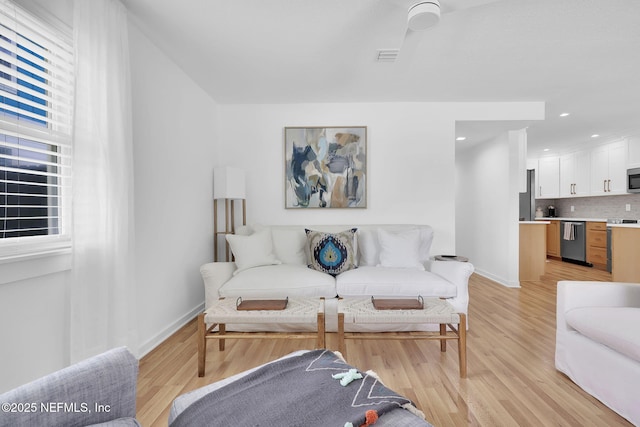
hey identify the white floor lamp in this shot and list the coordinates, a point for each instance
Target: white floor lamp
(228, 185)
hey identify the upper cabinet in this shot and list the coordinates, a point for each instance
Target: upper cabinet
(548, 178)
(634, 151)
(574, 174)
(597, 171)
(609, 169)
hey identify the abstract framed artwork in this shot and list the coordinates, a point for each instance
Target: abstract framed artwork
(325, 167)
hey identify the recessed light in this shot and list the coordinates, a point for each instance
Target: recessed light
(564, 114)
(595, 135)
(461, 138)
(546, 149)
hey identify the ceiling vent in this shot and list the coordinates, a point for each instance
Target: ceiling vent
(387, 55)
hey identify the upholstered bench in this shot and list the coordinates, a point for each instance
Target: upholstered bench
(298, 311)
(359, 311)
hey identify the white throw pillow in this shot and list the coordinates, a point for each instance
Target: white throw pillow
(368, 247)
(400, 249)
(252, 251)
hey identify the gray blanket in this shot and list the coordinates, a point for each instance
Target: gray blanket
(297, 391)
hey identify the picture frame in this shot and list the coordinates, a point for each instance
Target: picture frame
(325, 167)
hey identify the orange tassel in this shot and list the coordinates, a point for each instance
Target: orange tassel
(370, 417)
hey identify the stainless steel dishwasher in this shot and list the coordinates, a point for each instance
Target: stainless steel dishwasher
(573, 242)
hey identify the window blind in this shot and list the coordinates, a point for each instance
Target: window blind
(36, 124)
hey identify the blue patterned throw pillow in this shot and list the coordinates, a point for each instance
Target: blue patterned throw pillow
(332, 253)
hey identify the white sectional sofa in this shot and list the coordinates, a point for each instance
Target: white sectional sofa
(598, 342)
(272, 262)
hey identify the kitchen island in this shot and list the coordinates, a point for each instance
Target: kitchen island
(625, 252)
(533, 249)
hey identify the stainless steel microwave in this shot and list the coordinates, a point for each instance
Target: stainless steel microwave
(633, 180)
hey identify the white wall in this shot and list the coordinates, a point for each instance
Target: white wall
(174, 153)
(34, 314)
(487, 208)
(410, 151)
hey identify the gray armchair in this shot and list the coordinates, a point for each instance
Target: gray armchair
(97, 391)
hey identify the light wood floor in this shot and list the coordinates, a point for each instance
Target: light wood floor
(510, 350)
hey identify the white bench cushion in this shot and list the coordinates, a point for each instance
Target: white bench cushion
(279, 281)
(389, 281)
(615, 327)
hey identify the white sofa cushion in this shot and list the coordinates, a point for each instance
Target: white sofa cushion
(369, 243)
(388, 281)
(279, 281)
(252, 251)
(615, 327)
(289, 245)
(400, 249)
(288, 241)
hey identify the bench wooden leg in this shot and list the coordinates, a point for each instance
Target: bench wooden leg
(221, 331)
(462, 345)
(202, 344)
(321, 331)
(443, 332)
(341, 345)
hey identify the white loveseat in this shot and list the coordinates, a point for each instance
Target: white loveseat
(598, 342)
(405, 270)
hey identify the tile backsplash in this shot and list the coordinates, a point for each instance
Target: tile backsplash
(601, 207)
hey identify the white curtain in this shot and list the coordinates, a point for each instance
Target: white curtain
(103, 283)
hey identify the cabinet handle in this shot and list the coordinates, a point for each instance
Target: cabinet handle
(609, 185)
(604, 185)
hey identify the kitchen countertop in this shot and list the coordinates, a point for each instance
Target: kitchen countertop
(541, 222)
(571, 219)
(624, 225)
(546, 220)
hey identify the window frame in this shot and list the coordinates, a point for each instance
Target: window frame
(58, 44)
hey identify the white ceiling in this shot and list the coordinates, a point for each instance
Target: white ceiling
(579, 56)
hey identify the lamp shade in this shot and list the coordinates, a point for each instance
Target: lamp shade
(228, 183)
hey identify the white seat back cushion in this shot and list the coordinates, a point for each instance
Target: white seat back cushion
(252, 251)
(400, 249)
(289, 244)
(390, 282)
(280, 281)
(615, 327)
(369, 244)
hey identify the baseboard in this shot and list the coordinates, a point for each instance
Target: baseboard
(149, 345)
(499, 280)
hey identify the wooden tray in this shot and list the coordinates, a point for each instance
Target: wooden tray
(261, 304)
(398, 303)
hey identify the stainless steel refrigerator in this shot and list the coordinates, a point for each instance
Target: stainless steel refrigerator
(528, 198)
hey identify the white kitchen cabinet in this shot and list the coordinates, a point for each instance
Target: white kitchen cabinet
(609, 169)
(574, 174)
(634, 151)
(548, 178)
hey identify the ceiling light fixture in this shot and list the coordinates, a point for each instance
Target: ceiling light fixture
(546, 149)
(423, 15)
(461, 138)
(564, 114)
(595, 135)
